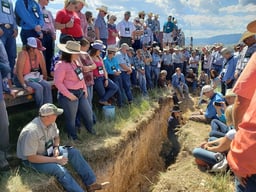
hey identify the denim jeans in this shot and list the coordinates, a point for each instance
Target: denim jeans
(250, 184)
(4, 126)
(205, 155)
(143, 84)
(118, 81)
(72, 107)
(148, 76)
(10, 46)
(127, 85)
(5, 70)
(218, 128)
(43, 92)
(155, 73)
(105, 93)
(61, 173)
(134, 77)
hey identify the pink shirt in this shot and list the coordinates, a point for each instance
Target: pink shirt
(83, 22)
(65, 78)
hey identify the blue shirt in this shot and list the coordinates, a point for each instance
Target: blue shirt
(229, 69)
(178, 80)
(6, 13)
(31, 16)
(139, 63)
(155, 59)
(122, 59)
(102, 26)
(211, 112)
(111, 66)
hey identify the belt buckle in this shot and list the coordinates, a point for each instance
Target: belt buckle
(7, 26)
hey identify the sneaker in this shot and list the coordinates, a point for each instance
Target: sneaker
(96, 186)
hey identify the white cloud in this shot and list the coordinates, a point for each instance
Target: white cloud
(246, 2)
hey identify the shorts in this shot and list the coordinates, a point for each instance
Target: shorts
(167, 38)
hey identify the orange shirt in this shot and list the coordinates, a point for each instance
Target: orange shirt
(241, 157)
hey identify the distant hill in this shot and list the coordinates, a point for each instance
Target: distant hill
(229, 39)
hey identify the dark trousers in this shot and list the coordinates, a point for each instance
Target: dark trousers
(48, 43)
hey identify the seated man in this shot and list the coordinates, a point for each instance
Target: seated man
(191, 80)
(179, 84)
(38, 147)
(210, 112)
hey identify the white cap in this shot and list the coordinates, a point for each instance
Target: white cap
(31, 41)
(207, 88)
(49, 109)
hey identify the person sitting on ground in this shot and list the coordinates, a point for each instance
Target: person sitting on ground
(30, 63)
(230, 97)
(162, 80)
(179, 84)
(104, 86)
(39, 148)
(114, 72)
(203, 79)
(191, 80)
(219, 127)
(213, 152)
(210, 112)
(214, 78)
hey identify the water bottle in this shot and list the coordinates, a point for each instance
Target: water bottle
(65, 152)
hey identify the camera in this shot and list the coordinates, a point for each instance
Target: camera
(219, 104)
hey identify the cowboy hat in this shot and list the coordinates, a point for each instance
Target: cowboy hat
(252, 26)
(83, 2)
(246, 35)
(175, 109)
(103, 8)
(112, 49)
(150, 14)
(71, 47)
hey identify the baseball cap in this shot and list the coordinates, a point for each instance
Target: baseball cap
(207, 88)
(49, 109)
(31, 41)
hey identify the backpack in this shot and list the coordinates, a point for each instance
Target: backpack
(17, 17)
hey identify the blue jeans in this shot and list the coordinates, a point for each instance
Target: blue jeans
(155, 74)
(126, 81)
(205, 155)
(4, 127)
(134, 77)
(148, 76)
(10, 46)
(250, 184)
(5, 70)
(218, 129)
(61, 173)
(143, 84)
(118, 81)
(105, 93)
(72, 107)
(43, 92)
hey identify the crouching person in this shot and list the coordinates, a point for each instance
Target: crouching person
(39, 148)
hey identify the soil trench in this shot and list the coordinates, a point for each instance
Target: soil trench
(136, 162)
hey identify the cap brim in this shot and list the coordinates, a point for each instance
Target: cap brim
(252, 26)
(63, 48)
(59, 111)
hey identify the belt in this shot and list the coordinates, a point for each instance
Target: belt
(6, 26)
(126, 37)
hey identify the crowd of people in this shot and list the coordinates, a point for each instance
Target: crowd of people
(98, 55)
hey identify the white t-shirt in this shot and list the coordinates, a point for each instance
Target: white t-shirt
(125, 28)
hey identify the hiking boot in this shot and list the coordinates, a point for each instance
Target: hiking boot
(96, 186)
(4, 165)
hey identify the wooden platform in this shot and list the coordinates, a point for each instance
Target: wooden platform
(22, 96)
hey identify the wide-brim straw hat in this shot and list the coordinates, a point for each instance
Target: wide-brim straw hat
(112, 49)
(245, 35)
(252, 26)
(103, 8)
(83, 2)
(176, 48)
(71, 47)
(150, 14)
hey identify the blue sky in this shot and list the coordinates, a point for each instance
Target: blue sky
(197, 18)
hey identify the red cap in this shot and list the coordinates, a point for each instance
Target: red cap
(39, 45)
